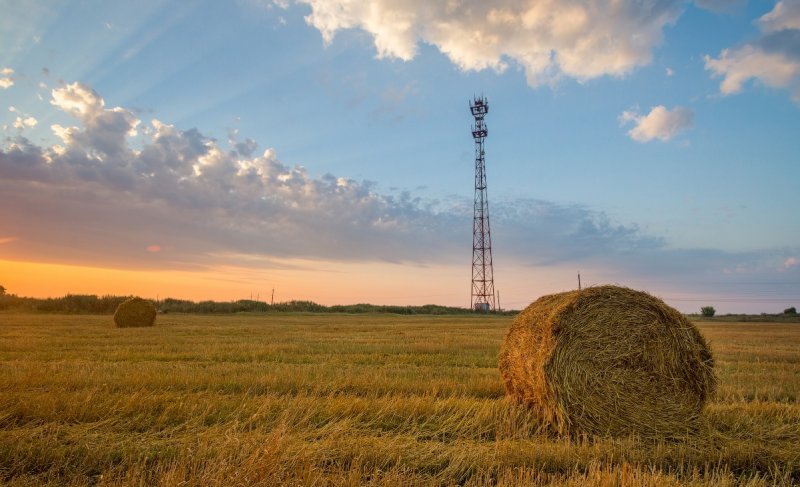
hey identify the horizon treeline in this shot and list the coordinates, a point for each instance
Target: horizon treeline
(93, 304)
(107, 304)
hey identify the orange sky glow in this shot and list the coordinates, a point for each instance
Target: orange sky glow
(324, 282)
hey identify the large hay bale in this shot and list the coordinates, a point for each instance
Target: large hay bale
(135, 312)
(608, 360)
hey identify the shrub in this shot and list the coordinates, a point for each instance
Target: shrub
(707, 311)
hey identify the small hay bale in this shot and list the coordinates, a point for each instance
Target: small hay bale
(135, 312)
(608, 361)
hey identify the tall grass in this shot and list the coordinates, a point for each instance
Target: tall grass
(350, 400)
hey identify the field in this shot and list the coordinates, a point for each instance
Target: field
(330, 399)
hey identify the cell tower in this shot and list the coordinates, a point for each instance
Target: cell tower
(483, 298)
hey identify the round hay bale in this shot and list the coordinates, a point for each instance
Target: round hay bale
(135, 312)
(608, 360)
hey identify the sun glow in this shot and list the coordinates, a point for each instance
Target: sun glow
(324, 282)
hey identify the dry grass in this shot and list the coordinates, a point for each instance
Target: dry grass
(135, 312)
(609, 361)
(350, 400)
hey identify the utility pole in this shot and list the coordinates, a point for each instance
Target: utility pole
(579, 281)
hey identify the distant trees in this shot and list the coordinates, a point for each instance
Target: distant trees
(788, 311)
(77, 303)
(707, 311)
(2, 291)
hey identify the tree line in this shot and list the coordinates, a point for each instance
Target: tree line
(93, 304)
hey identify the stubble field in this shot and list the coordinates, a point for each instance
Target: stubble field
(328, 399)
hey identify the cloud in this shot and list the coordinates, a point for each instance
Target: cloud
(166, 198)
(660, 123)
(26, 122)
(244, 148)
(547, 39)
(750, 62)
(790, 262)
(104, 130)
(6, 81)
(785, 15)
(548, 233)
(773, 59)
(93, 198)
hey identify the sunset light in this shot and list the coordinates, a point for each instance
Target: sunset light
(193, 150)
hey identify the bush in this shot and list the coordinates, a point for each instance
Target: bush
(790, 311)
(707, 311)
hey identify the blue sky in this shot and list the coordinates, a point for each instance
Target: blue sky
(651, 144)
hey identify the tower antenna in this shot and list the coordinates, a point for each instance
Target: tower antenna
(483, 296)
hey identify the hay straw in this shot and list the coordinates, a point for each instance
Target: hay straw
(135, 312)
(609, 361)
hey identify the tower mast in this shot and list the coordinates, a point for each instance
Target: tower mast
(483, 296)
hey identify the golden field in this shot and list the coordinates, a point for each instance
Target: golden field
(327, 399)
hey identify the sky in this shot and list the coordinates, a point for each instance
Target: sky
(322, 149)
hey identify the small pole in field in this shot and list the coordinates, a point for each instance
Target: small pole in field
(579, 281)
(272, 299)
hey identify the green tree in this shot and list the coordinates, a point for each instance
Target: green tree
(788, 311)
(708, 311)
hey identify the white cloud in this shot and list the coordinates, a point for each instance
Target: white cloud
(93, 198)
(6, 81)
(773, 60)
(26, 122)
(547, 39)
(738, 66)
(790, 262)
(78, 100)
(104, 131)
(660, 123)
(669, 72)
(785, 15)
(181, 200)
(185, 185)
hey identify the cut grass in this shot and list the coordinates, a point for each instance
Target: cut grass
(351, 400)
